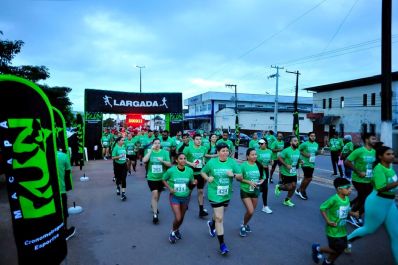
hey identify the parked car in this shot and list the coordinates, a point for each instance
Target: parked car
(244, 139)
(303, 138)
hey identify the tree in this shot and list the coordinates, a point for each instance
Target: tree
(58, 97)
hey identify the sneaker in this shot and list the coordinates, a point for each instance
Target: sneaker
(223, 249)
(348, 249)
(172, 238)
(353, 221)
(212, 230)
(203, 213)
(316, 255)
(105, 158)
(117, 191)
(70, 233)
(123, 197)
(242, 231)
(178, 234)
(266, 209)
(304, 194)
(298, 193)
(277, 190)
(327, 263)
(248, 229)
(288, 202)
(155, 219)
(360, 221)
(271, 181)
(114, 179)
(129, 172)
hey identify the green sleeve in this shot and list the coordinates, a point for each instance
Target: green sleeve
(326, 204)
(379, 178)
(206, 168)
(166, 156)
(237, 167)
(354, 155)
(186, 151)
(166, 174)
(302, 147)
(114, 151)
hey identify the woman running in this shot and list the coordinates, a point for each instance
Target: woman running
(219, 173)
(380, 207)
(252, 178)
(180, 181)
(264, 157)
(158, 160)
(119, 167)
(211, 147)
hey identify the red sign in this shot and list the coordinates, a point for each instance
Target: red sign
(134, 120)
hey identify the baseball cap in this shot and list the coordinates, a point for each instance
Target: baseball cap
(261, 141)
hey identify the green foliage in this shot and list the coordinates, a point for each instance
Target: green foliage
(58, 97)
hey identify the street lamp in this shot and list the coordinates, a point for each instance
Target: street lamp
(143, 66)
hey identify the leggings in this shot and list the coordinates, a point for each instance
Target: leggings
(264, 187)
(379, 211)
(120, 174)
(334, 155)
(363, 190)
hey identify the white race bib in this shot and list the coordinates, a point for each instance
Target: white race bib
(394, 178)
(369, 173)
(293, 170)
(198, 163)
(123, 157)
(105, 143)
(180, 187)
(130, 152)
(157, 168)
(222, 190)
(312, 158)
(343, 212)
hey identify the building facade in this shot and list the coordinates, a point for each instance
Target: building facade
(216, 110)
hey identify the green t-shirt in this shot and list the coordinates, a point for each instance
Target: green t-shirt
(230, 144)
(254, 144)
(156, 168)
(195, 155)
(211, 150)
(264, 156)
(179, 180)
(130, 146)
(383, 176)
(167, 144)
(336, 144)
(106, 140)
(337, 211)
(276, 145)
(363, 159)
(205, 141)
(311, 149)
(117, 151)
(63, 164)
(221, 188)
(347, 149)
(177, 140)
(251, 173)
(291, 157)
(270, 139)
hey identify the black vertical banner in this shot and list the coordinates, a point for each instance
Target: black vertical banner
(62, 140)
(27, 141)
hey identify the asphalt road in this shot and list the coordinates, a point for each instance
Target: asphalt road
(111, 232)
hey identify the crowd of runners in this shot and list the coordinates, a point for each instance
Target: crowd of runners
(181, 163)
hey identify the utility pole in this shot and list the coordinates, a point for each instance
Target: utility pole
(386, 92)
(140, 75)
(296, 130)
(237, 130)
(276, 76)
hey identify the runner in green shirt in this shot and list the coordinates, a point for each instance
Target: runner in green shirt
(167, 143)
(105, 143)
(179, 181)
(289, 158)
(158, 160)
(361, 162)
(309, 151)
(380, 204)
(251, 180)
(184, 143)
(119, 167)
(195, 159)
(132, 149)
(211, 148)
(264, 157)
(205, 139)
(229, 143)
(270, 137)
(276, 147)
(335, 211)
(336, 145)
(254, 142)
(219, 172)
(345, 152)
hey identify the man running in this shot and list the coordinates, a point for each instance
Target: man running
(276, 147)
(229, 143)
(336, 145)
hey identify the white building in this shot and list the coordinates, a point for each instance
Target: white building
(352, 107)
(213, 110)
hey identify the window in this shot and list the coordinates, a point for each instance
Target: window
(324, 103)
(372, 128)
(365, 100)
(373, 99)
(222, 106)
(301, 118)
(241, 106)
(330, 103)
(209, 107)
(364, 128)
(272, 118)
(259, 106)
(342, 102)
(341, 128)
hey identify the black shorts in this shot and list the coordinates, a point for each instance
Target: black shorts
(308, 172)
(219, 204)
(155, 185)
(132, 157)
(201, 182)
(338, 244)
(288, 179)
(252, 195)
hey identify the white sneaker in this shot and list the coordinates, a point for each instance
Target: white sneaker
(266, 209)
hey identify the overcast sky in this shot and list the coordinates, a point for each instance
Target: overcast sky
(197, 46)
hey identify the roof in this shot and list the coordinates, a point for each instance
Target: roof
(289, 110)
(376, 79)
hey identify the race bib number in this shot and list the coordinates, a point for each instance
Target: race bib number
(123, 157)
(251, 188)
(105, 143)
(293, 170)
(157, 169)
(180, 187)
(130, 152)
(312, 158)
(369, 173)
(394, 178)
(222, 190)
(343, 212)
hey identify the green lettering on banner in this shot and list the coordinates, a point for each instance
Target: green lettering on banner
(93, 116)
(37, 198)
(176, 117)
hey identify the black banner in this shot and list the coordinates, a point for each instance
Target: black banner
(123, 102)
(29, 159)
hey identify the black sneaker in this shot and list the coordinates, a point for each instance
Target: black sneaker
(203, 213)
(117, 191)
(114, 179)
(70, 233)
(155, 219)
(123, 198)
(304, 195)
(178, 234)
(271, 181)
